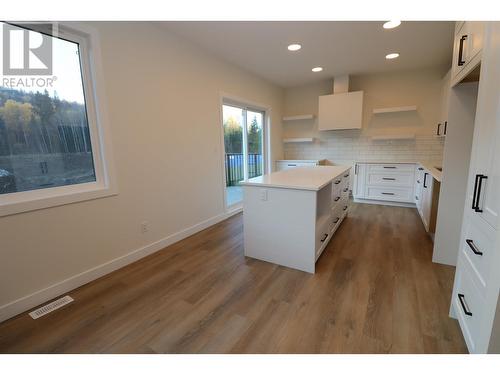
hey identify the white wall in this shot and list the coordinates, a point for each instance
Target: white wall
(163, 97)
(421, 88)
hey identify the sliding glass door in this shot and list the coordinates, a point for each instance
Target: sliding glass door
(243, 148)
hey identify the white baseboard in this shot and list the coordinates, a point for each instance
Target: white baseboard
(384, 203)
(32, 300)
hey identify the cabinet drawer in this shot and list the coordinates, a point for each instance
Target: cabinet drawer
(390, 194)
(391, 167)
(323, 233)
(391, 179)
(468, 305)
(477, 249)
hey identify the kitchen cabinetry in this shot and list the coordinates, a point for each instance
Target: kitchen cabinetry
(340, 111)
(429, 201)
(467, 49)
(477, 282)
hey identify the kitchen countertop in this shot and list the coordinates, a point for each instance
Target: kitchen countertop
(301, 160)
(430, 166)
(301, 178)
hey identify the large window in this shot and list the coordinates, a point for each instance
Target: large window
(49, 140)
(243, 148)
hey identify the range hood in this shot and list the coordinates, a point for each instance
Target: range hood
(341, 110)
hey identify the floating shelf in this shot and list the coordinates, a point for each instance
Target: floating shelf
(298, 117)
(298, 140)
(395, 109)
(401, 137)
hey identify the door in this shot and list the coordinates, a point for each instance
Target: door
(243, 148)
(483, 198)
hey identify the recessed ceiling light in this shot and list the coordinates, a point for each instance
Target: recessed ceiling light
(294, 47)
(392, 56)
(391, 24)
(317, 69)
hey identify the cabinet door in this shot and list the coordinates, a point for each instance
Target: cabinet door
(427, 185)
(474, 30)
(468, 43)
(485, 148)
(359, 181)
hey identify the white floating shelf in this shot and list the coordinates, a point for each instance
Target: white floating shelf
(401, 137)
(298, 140)
(407, 108)
(298, 117)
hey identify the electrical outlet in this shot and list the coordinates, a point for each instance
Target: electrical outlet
(144, 226)
(263, 194)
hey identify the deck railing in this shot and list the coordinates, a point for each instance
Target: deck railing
(234, 167)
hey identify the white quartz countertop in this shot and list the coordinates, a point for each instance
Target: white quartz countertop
(301, 178)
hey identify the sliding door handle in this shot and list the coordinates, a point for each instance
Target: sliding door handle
(461, 298)
(461, 50)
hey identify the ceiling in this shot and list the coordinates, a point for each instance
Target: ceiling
(339, 47)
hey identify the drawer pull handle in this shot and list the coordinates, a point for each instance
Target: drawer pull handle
(345, 208)
(420, 168)
(388, 193)
(473, 247)
(418, 181)
(416, 197)
(389, 167)
(461, 298)
(336, 220)
(291, 165)
(336, 199)
(346, 190)
(439, 127)
(337, 182)
(324, 238)
(461, 50)
(346, 175)
(388, 179)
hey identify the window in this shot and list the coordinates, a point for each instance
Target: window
(243, 148)
(50, 143)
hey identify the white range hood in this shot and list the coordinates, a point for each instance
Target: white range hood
(342, 109)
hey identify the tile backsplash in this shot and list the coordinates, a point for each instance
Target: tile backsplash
(347, 149)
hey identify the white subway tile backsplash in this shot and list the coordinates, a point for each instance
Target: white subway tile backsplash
(343, 149)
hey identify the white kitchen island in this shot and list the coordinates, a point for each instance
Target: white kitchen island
(290, 216)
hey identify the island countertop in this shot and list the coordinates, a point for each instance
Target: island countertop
(301, 178)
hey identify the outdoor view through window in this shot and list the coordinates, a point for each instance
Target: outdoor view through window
(44, 133)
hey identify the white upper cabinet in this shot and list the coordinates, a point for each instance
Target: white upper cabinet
(467, 47)
(341, 111)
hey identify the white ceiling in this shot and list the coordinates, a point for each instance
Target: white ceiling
(339, 47)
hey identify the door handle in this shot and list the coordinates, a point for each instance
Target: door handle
(461, 50)
(473, 247)
(461, 298)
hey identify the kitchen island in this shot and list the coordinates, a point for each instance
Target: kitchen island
(290, 216)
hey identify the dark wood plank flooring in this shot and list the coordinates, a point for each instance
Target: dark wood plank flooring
(375, 291)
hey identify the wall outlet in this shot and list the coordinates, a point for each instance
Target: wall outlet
(144, 226)
(263, 194)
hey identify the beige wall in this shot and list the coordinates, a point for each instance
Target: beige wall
(163, 98)
(421, 88)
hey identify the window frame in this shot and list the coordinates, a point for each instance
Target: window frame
(105, 183)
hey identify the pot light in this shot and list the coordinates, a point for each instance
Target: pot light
(391, 24)
(391, 56)
(294, 47)
(317, 69)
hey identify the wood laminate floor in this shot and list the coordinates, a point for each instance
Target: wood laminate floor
(375, 291)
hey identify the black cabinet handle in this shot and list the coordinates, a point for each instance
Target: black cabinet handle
(461, 50)
(345, 190)
(336, 199)
(420, 168)
(355, 169)
(418, 181)
(445, 126)
(416, 197)
(387, 193)
(439, 128)
(473, 247)
(345, 208)
(475, 192)
(478, 184)
(324, 238)
(425, 179)
(389, 167)
(346, 175)
(388, 179)
(337, 182)
(461, 298)
(336, 220)
(291, 165)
